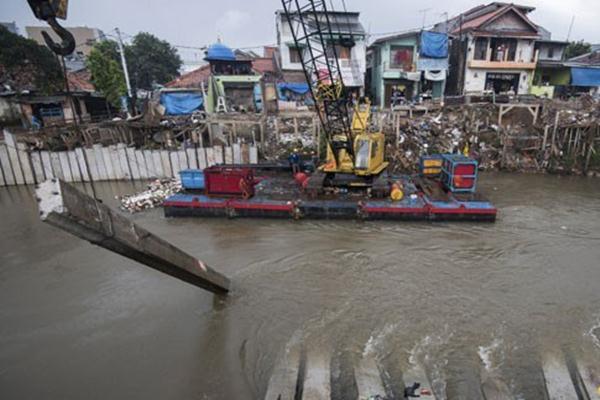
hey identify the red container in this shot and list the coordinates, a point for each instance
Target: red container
(229, 182)
(464, 169)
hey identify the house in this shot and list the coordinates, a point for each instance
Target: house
(85, 38)
(493, 49)
(231, 81)
(407, 66)
(585, 73)
(551, 73)
(27, 105)
(351, 53)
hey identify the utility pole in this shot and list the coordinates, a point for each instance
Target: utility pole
(570, 28)
(424, 12)
(125, 72)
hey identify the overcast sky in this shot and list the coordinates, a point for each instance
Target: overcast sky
(245, 23)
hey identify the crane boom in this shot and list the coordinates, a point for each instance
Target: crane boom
(311, 27)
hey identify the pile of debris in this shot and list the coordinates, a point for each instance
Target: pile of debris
(154, 196)
(455, 129)
(281, 140)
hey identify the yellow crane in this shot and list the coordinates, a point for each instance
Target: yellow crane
(355, 152)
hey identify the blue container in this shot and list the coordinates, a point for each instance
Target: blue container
(192, 179)
(459, 173)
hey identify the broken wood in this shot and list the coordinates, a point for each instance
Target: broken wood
(65, 207)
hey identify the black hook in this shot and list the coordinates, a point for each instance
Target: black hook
(68, 41)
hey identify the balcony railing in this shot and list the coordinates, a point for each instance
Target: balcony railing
(505, 63)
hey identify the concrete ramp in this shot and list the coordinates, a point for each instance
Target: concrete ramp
(284, 381)
(494, 388)
(559, 385)
(368, 378)
(317, 376)
(414, 376)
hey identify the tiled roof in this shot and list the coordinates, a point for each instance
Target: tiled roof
(193, 79)
(80, 81)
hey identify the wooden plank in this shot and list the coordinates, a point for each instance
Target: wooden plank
(192, 159)
(116, 163)
(557, 378)
(158, 164)
(108, 164)
(141, 163)
(122, 153)
(37, 167)
(166, 163)
(92, 165)
(133, 164)
(218, 154)
(47, 164)
(368, 379)
(25, 161)
(11, 147)
(237, 153)
(83, 166)
(64, 207)
(75, 172)
(317, 379)
(210, 156)
(253, 155)
(183, 162)
(201, 157)
(283, 382)
(150, 164)
(9, 177)
(228, 154)
(65, 166)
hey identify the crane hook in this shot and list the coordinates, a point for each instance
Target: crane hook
(68, 41)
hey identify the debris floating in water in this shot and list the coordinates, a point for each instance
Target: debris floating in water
(154, 196)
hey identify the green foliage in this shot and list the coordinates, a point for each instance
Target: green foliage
(26, 65)
(107, 74)
(151, 60)
(575, 49)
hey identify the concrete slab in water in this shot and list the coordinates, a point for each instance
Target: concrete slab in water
(559, 385)
(283, 382)
(317, 380)
(368, 378)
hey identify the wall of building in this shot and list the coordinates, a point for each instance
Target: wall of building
(475, 79)
(544, 52)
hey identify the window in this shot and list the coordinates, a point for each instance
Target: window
(401, 57)
(295, 55)
(551, 52)
(343, 52)
(362, 155)
(481, 47)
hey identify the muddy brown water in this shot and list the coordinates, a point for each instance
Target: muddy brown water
(79, 322)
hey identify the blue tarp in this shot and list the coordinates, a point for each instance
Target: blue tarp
(181, 103)
(585, 76)
(434, 44)
(298, 88)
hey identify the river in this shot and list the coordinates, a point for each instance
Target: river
(77, 321)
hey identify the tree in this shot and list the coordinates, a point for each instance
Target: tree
(107, 74)
(151, 61)
(575, 49)
(25, 65)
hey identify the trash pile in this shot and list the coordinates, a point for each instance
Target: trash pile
(154, 196)
(281, 140)
(469, 128)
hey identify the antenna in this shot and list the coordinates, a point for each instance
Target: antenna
(570, 28)
(424, 12)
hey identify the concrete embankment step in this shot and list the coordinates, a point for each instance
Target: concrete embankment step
(304, 371)
(368, 378)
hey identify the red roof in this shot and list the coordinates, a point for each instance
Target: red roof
(481, 21)
(80, 81)
(193, 79)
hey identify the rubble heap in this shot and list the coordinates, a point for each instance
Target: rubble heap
(153, 196)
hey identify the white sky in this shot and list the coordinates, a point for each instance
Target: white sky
(245, 23)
